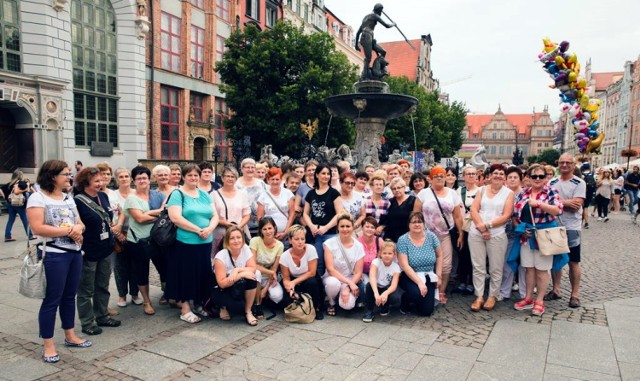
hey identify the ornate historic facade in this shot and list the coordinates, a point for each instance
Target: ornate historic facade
(500, 133)
(71, 82)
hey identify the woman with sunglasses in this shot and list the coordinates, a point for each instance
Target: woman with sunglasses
(402, 204)
(53, 216)
(540, 204)
(490, 211)
(443, 216)
(352, 201)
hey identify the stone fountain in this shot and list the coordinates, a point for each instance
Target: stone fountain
(371, 105)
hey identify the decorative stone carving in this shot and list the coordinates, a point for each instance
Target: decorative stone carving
(142, 26)
(479, 158)
(58, 5)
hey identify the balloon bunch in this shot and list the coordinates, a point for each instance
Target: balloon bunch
(563, 67)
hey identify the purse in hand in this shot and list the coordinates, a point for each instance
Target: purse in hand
(551, 241)
(33, 282)
(301, 310)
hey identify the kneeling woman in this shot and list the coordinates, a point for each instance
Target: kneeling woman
(235, 271)
(419, 254)
(298, 266)
(266, 250)
(344, 259)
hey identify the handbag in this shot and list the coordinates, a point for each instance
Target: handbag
(147, 245)
(163, 231)
(300, 310)
(453, 233)
(33, 282)
(551, 241)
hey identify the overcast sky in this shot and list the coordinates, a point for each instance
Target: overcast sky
(496, 42)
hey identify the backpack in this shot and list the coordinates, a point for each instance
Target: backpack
(591, 181)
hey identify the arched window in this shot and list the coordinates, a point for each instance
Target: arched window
(95, 69)
(10, 57)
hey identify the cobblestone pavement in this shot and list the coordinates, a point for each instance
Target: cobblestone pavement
(163, 347)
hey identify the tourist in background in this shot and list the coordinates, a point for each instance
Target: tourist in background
(17, 185)
(604, 191)
(352, 201)
(417, 183)
(394, 223)
(451, 178)
(254, 186)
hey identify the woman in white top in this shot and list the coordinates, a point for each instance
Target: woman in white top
(298, 266)
(232, 205)
(603, 194)
(278, 203)
(254, 187)
(617, 189)
(235, 271)
(266, 250)
(490, 211)
(352, 201)
(344, 259)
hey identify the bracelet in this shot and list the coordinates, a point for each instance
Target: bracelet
(490, 225)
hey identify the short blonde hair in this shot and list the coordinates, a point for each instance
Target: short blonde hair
(377, 176)
(385, 244)
(295, 229)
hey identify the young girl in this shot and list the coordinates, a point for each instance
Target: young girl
(386, 271)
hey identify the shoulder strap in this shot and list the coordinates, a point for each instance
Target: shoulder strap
(95, 207)
(464, 199)
(440, 207)
(226, 211)
(276, 204)
(344, 255)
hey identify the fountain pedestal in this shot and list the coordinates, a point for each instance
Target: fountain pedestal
(370, 107)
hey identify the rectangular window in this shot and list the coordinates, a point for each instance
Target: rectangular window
(501, 150)
(306, 12)
(222, 9)
(253, 9)
(170, 42)
(493, 150)
(169, 126)
(271, 15)
(220, 49)
(298, 7)
(198, 3)
(197, 101)
(502, 135)
(494, 135)
(221, 141)
(197, 51)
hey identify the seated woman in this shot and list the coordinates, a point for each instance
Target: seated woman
(235, 271)
(344, 258)
(298, 266)
(419, 254)
(266, 250)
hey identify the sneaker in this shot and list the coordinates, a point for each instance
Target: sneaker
(137, 300)
(404, 310)
(469, 290)
(515, 287)
(606, 219)
(524, 304)
(599, 219)
(538, 309)
(368, 317)
(586, 225)
(634, 218)
(384, 310)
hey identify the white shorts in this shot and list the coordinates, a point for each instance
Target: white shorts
(532, 258)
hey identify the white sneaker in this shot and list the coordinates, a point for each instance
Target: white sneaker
(599, 218)
(606, 219)
(137, 300)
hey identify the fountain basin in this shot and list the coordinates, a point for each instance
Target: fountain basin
(378, 105)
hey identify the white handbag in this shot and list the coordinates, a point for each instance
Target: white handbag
(551, 241)
(33, 282)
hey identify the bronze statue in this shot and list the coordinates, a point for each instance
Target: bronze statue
(365, 38)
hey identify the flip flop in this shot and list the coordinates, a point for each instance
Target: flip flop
(331, 310)
(551, 296)
(574, 302)
(190, 318)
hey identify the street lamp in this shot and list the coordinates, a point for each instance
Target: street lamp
(630, 120)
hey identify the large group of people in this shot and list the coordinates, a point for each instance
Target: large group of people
(350, 239)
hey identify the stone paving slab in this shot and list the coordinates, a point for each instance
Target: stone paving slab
(629, 371)
(146, 366)
(23, 369)
(438, 368)
(482, 371)
(515, 342)
(559, 372)
(583, 347)
(454, 352)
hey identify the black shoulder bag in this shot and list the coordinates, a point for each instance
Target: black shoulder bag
(163, 231)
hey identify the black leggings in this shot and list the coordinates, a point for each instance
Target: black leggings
(221, 297)
(603, 206)
(424, 304)
(464, 261)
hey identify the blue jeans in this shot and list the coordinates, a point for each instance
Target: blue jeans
(633, 198)
(22, 212)
(63, 272)
(318, 243)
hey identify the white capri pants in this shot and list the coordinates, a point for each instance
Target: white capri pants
(275, 290)
(333, 288)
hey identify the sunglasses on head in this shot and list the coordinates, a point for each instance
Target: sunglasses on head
(538, 177)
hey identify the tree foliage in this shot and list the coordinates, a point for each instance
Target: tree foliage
(278, 78)
(548, 156)
(437, 125)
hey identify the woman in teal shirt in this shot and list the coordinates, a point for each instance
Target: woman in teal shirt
(189, 278)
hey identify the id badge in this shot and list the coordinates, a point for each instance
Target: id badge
(104, 236)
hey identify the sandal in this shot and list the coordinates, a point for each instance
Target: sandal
(251, 320)
(551, 296)
(443, 298)
(224, 314)
(190, 318)
(148, 309)
(331, 310)
(574, 302)
(257, 311)
(538, 309)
